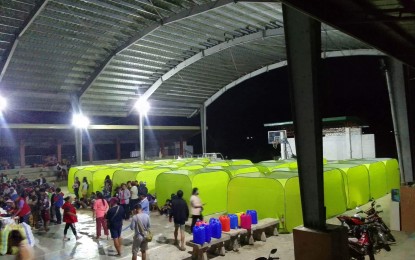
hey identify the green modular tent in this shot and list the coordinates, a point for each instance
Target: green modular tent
(393, 175)
(217, 163)
(264, 170)
(239, 162)
(148, 176)
(98, 178)
(88, 173)
(123, 176)
(356, 183)
(240, 169)
(212, 186)
(74, 170)
(377, 176)
(272, 165)
(271, 197)
(191, 167)
(251, 174)
(170, 167)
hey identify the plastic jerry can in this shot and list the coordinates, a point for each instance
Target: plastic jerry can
(239, 218)
(234, 220)
(254, 216)
(199, 235)
(226, 225)
(216, 227)
(246, 221)
(208, 233)
(199, 223)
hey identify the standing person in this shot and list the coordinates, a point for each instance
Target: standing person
(145, 204)
(197, 207)
(25, 252)
(134, 195)
(140, 223)
(44, 209)
(69, 217)
(107, 187)
(76, 186)
(22, 209)
(101, 207)
(142, 189)
(85, 186)
(124, 196)
(33, 201)
(180, 213)
(115, 216)
(41, 180)
(57, 204)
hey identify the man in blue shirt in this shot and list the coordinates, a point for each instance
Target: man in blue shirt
(145, 204)
(115, 216)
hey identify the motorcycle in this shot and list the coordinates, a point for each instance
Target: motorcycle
(270, 257)
(367, 236)
(373, 216)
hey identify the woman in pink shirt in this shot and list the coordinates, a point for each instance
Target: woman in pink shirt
(101, 207)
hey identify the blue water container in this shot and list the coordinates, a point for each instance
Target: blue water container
(199, 235)
(208, 233)
(234, 220)
(254, 216)
(216, 228)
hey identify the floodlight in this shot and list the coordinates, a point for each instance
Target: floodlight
(3, 103)
(142, 106)
(80, 121)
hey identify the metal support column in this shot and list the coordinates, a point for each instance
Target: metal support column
(203, 126)
(302, 35)
(91, 151)
(142, 157)
(395, 80)
(78, 146)
(22, 153)
(59, 150)
(118, 148)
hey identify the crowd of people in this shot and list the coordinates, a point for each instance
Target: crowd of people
(39, 203)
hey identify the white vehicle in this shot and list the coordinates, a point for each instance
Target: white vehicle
(213, 156)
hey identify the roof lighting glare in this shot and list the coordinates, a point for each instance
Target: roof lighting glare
(80, 121)
(142, 106)
(3, 103)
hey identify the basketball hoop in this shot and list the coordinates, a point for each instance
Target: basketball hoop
(276, 142)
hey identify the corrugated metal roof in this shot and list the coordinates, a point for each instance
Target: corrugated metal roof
(109, 52)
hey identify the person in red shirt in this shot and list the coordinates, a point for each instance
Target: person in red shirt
(69, 217)
(23, 209)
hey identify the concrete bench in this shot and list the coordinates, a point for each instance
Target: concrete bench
(200, 251)
(267, 226)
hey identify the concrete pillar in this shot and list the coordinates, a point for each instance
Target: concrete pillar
(203, 127)
(22, 154)
(302, 36)
(91, 151)
(59, 150)
(78, 146)
(163, 152)
(142, 152)
(118, 148)
(395, 79)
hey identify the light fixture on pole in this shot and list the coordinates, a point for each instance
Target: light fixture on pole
(142, 106)
(3, 103)
(80, 121)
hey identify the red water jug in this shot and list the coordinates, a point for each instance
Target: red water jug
(226, 223)
(198, 223)
(246, 221)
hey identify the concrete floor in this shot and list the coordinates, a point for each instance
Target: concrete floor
(50, 245)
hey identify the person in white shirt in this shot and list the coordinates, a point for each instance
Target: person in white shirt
(134, 200)
(196, 208)
(124, 196)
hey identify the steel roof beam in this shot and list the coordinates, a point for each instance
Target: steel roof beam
(26, 24)
(198, 9)
(213, 50)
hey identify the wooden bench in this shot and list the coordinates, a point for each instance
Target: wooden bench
(200, 251)
(234, 235)
(266, 226)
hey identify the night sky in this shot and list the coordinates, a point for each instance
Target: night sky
(351, 86)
